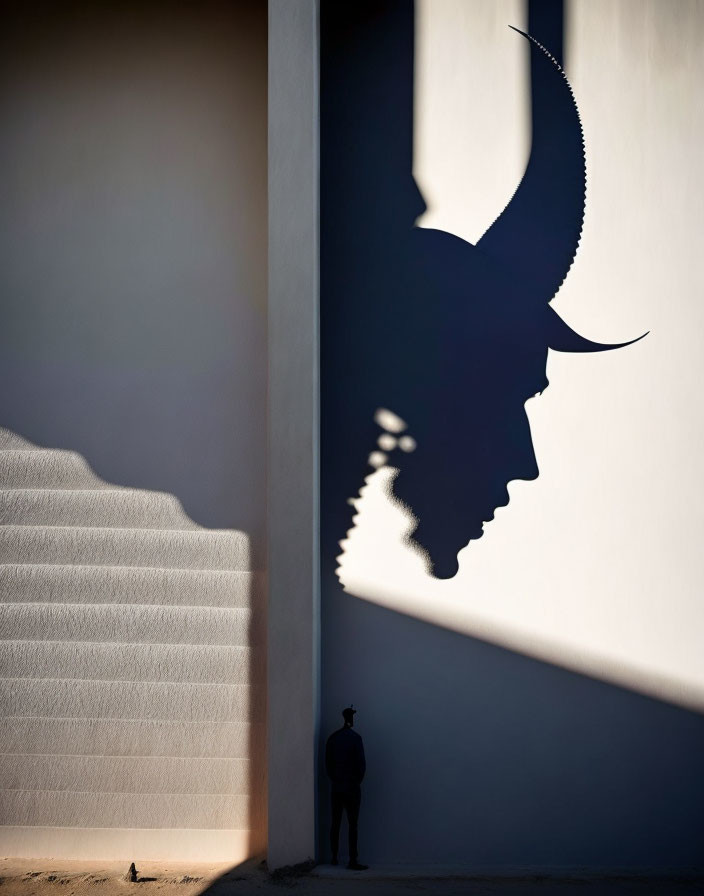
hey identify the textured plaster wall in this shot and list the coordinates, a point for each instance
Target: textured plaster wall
(132, 672)
(133, 345)
(133, 249)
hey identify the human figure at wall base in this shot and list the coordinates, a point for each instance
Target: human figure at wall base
(345, 766)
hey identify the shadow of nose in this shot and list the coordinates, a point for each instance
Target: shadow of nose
(531, 470)
(527, 463)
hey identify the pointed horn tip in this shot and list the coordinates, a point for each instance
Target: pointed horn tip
(562, 338)
(527, 37)
(638, 339)
(609, 347)
(537, 43)
(589, 346)
(632, 341)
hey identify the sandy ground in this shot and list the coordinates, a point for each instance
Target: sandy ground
(34, 877)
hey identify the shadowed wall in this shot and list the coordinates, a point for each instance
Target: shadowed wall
(133, 333)
(133, 245)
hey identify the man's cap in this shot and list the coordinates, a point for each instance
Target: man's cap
(348, 712)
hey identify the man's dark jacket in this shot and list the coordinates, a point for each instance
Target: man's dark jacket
(344, 760)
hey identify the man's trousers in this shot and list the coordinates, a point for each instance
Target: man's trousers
(348, 800)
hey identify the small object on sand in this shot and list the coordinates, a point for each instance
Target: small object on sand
(132, 874)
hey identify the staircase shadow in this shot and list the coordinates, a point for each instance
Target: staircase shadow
(133, 658)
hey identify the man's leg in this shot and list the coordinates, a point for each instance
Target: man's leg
(337, 802)
(352, 802)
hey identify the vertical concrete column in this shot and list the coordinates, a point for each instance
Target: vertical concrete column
(293, 643)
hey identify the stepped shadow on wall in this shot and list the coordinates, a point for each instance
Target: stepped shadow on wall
(477, 756)
(133, 663)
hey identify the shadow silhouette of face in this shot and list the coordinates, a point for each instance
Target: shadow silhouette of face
(458, 475)
(455, 336)
(466, 357)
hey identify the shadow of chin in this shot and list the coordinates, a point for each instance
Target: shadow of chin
(386, 560)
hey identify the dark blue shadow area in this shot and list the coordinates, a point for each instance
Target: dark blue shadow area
(476, 756)
(480, 757)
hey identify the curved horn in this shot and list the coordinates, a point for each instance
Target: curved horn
(562, 338)
(538, 232)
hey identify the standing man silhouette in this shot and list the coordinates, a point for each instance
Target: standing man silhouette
(345, 765)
